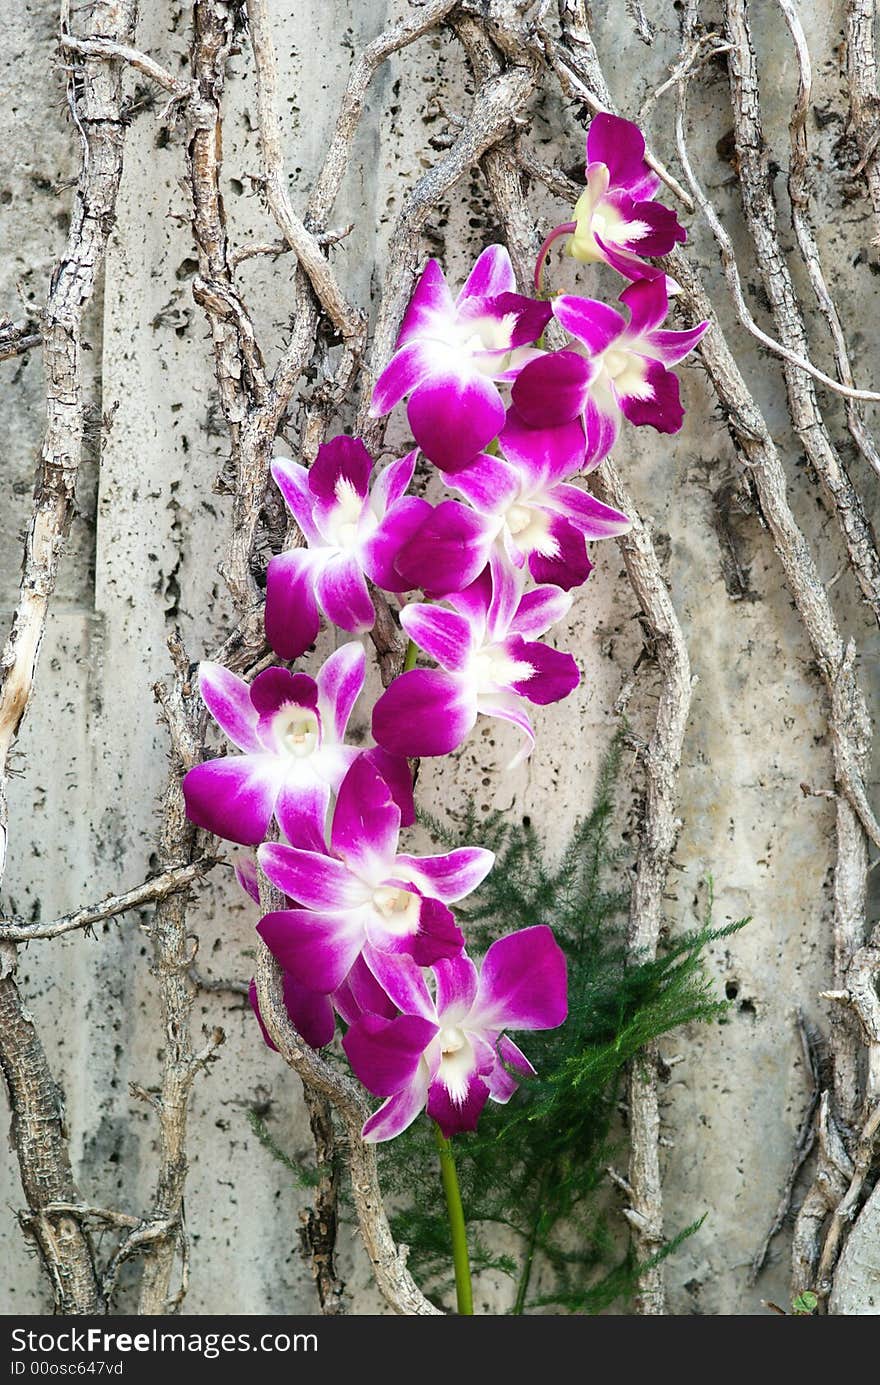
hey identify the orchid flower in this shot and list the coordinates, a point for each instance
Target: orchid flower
(290, 728)
(521, 515)
(311, 1012)
(448, 1051)
(351, 531)
(363, 897)
(615, 368)
(616, 217)
(450, 352)
(489, 663)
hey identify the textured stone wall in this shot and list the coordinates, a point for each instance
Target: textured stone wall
(143, 555)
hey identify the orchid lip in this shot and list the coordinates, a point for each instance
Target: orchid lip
(297, 731)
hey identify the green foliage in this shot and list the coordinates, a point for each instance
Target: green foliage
(536, 1167)
(805, 1305)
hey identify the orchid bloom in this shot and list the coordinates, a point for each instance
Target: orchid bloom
(448, 1051)
(352, 532)
(616, 218)
(364, 898)
(290, 728)
(451, 352)
(489, 663)
(613, 368)
(312, 1013)
(522, 515)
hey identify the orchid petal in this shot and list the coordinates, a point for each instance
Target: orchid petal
(448, 877)
(342, 593)
(366, 822)
(445, 636)
(620, 145)
(403, 982)
(457, 984)
(594, 323)
(228, 699)
(501, 1083)
(449, 550)
(553, 389)
(408, 367)
(319, 949)
(379, 552)
(492, 274)
(594, 519)
(392, 481)
(233, 797)
(315, 881)
(456, 1114)
(397, 774)
(506, 706)
(569, 566)
(291, 616)
(343, 461)
(339, 684)
(398, 1112)
(424, 712)
(539, 609)
(293, 482)
(522, 982)
(662, 409)
(543, 454)
(430, 304)
(385, 1054)
(453, 416)
(489, 483)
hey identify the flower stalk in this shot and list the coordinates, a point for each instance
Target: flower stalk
(457, 1228)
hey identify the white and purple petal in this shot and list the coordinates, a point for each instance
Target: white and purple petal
(385, 1055)
(523, 983)
(233, 797)
(228, 699)
(319, 949)
(448, 877)
(445, 636)
(339, 684)
(424, 712)
(291, 616)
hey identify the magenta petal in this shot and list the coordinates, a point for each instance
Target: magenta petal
(313, 880)
(385, 1054)
(672, 347)
(246, 874)
(543, 454)
(552, 389)
(391, 483)
(438, 935)
(620, 145)
(339, 684)
(665, 229)
(233, 797)
(408, 367)
(594, 323)
(379, 553)
(601, 431)
(424, 712)
(539, 609)
(586, 513)
(277, 687)
(531, 317)
(361, 994)
(430, 304)
(319, 949)
(648, 304)
(492, 274)
(457, 984)
(342, 594)
(489, 483)
(310, 1013)
(301, 811)
(663, 410)
(341, 460)
(448, 551)
(254, 1002)
(445, 636)
(228, 699)
(554, 674)
(449, 877)
(456, 1116)
(397, 1113)
(453, 417)
(626, 262)
(366, 821)
(397, 774)
(293, 482)
(508, 707)
(569, 566)
(501, 1083)
(523, 983)
(403, 982)
(291, 615)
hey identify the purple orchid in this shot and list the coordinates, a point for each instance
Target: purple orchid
(617, 368)
(451, 352)
(448, 1051)
(489, 661)
(290, 728)
(311, 1012)
(617, 219)
(363, 897)
(522, 514)
(352, 532)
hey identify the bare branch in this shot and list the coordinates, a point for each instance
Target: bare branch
(150, 892)
(122, 52)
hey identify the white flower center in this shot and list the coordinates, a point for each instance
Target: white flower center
(346, 514)
(398, 908)
(298, 732)
(492, 669)
(528, 527)
(451, 1041)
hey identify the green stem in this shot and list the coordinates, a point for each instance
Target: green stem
(409, 660)
(458, 1230)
